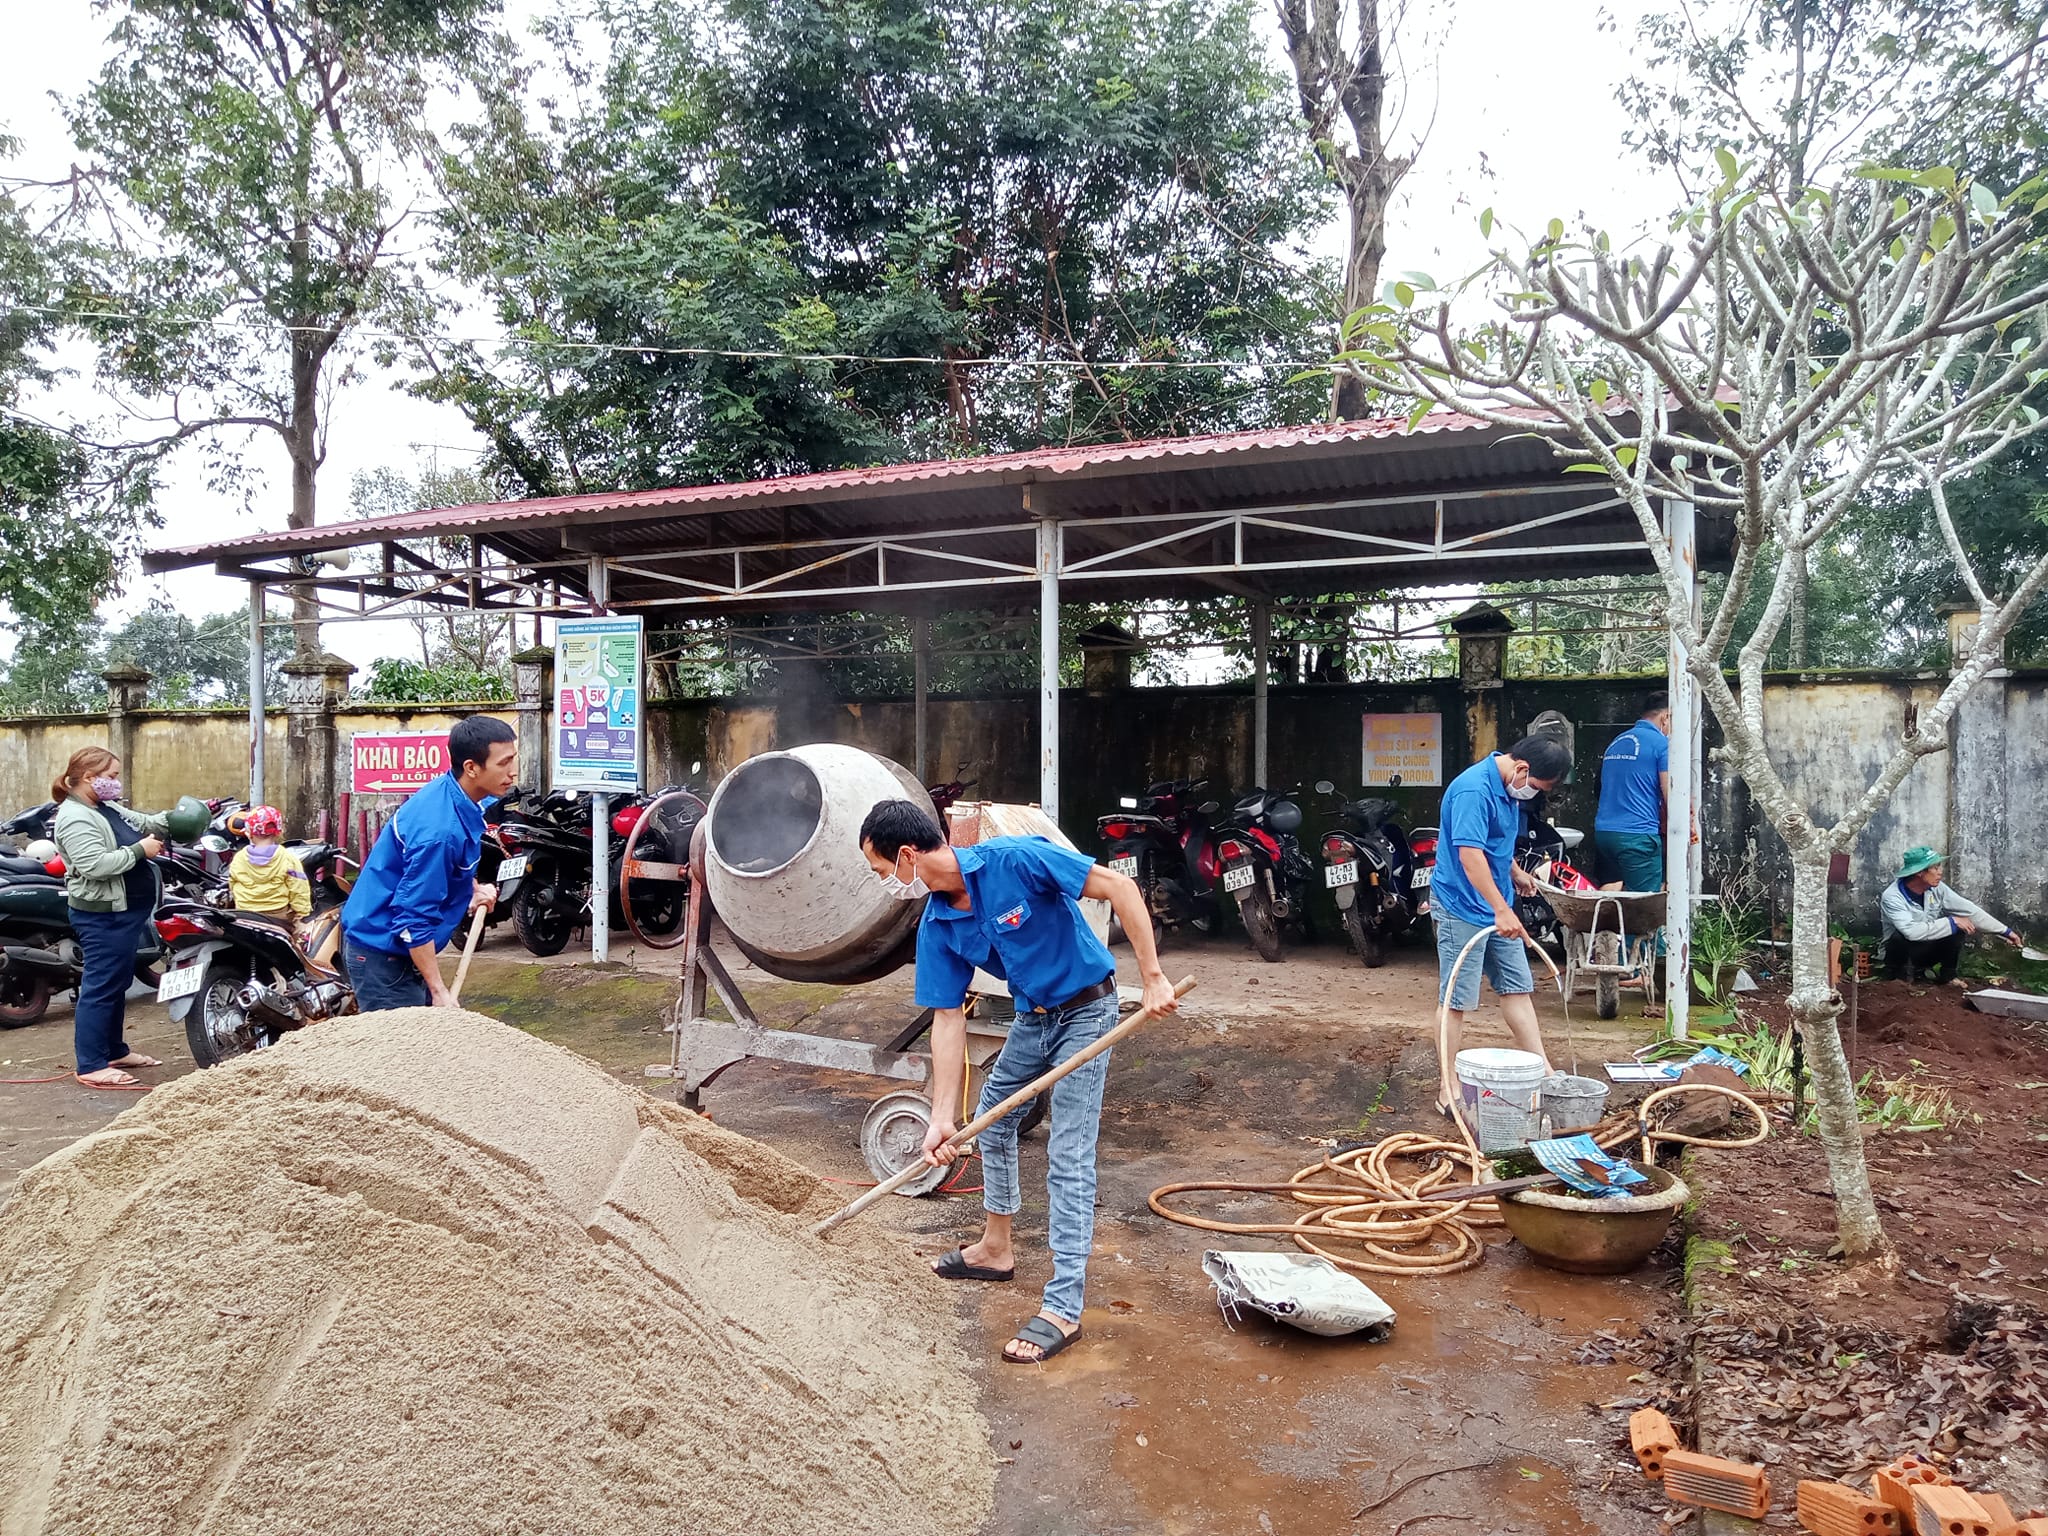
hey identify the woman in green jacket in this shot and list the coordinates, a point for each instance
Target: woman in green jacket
(112, 888)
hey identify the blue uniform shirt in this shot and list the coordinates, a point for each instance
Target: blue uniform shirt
(1023, 923)
(1477, 812)
(1631, 799)
(417, 882)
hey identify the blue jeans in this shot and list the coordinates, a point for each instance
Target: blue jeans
(1038, 1042)
(108, 942)
(382, 980)
(1504, 963)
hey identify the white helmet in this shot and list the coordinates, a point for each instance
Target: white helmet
(42, 850)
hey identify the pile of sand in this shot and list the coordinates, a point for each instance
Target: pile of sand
(418, 1272)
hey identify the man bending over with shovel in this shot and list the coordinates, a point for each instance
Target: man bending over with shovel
(1011, 906)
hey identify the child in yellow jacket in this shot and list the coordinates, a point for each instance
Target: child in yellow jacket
(266, 877)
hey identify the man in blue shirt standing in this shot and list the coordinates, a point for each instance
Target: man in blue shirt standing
(1481, 816)
(420, 879)
(1635, 786)
(1011, 906)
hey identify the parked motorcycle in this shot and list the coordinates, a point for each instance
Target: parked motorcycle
(39, 950)
(1541, 849)
(1380, 884)
(30, 826)
(1264, 868)
(946, 795)
(226, 835)
(545, 870)
(1166, 841)
(238, 981)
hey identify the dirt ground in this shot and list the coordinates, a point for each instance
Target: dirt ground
(1821, 1369)
(1166, 1418)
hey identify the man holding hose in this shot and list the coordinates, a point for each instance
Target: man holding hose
(1474, 885)
(1011, 906)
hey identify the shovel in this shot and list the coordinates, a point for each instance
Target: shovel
(980, 1123)
(2036, 955)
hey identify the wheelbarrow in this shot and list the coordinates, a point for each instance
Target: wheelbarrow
(1610, 939)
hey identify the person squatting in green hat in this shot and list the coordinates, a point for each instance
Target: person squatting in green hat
(1926, 923)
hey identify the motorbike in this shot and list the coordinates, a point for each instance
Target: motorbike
(946, 795)
(29, 826)
(1165, 840)
(1541, 849)
(1264, 869)
(1380, 883)
(225, 836)
(539, 856)
(39, 950)
(238, 981)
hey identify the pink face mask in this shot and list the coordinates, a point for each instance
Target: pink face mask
(106, 787)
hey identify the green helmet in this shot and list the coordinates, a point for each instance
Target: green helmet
(187, 819)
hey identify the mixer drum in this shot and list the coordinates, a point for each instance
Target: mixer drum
(785, 872)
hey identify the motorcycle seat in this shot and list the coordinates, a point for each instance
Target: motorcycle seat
(15, 869)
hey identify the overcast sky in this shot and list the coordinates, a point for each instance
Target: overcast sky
(1524, 121)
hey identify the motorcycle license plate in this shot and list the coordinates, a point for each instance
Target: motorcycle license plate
(1340, 874)
(512, 869)
(182, 981)
(1127, 865)
(1421, 880)
(1239, 879)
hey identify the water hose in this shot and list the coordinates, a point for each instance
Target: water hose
(1391, 1217)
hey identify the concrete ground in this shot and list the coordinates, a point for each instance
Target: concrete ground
(1166, 1418)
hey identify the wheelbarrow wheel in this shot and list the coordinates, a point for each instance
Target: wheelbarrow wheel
(1607, 982)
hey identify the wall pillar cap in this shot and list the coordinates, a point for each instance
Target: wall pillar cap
(1483, 619)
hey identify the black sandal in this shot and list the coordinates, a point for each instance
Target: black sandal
(1048, 1336)
(954, 1266)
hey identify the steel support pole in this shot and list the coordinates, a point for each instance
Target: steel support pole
(921, 661)
(256, 693)
(1262, 644)
(1050, 554)
(1679, 808)
(600, 877)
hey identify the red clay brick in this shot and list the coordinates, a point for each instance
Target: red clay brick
(2037, 1526)
(1945, 1510)
(1896, 1482)
(1652, 1438)
(1714, 1482)
(2003, 1521)
(1836, 1509)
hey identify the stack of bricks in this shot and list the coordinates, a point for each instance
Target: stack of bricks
(1910, 1497)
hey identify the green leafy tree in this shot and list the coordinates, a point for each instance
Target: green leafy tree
(55, 670)
(1047, 186)
(192, 663)
(238, 156)
(398, 680)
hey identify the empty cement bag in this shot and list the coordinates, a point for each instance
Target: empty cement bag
(1299, 1288)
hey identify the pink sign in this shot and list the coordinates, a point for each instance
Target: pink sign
(395, 762)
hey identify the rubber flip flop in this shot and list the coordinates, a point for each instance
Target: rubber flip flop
(129, 1086)
(954, 1266)
(138, 1061)
(1045, 1335)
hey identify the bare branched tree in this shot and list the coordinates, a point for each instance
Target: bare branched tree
(1786, 354)
(1346, 70)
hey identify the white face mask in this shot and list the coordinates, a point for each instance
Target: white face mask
(1524, 791)
(906, 890)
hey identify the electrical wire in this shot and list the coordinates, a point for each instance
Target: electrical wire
(741, 354)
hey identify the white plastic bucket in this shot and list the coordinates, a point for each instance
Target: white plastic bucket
(1501, 1092)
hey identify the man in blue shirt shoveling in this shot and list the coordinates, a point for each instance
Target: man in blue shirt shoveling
(1474, 884)
(1011, 906)
(420, 879)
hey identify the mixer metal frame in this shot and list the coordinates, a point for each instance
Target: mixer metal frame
(703, 1047)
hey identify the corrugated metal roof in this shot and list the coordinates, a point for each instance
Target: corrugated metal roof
(1028, 466)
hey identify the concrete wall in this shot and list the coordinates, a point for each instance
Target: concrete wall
(1830, 735)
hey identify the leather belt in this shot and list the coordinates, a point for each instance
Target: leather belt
(1103, 988)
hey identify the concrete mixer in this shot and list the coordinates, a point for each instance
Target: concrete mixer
(777, 859)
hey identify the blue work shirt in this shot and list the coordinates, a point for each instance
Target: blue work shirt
(1477, 812)
(417, 882)
(1631, 799)
(1023, 923)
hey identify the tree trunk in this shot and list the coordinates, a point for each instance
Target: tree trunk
(1816, 1007)
(1367, 190)
(1795, 624)
(302, 441)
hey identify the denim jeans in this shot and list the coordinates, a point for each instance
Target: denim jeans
(382, 980)
(108, 942)
(1037, 1043)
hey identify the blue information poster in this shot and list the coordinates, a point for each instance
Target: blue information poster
(597, 704)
